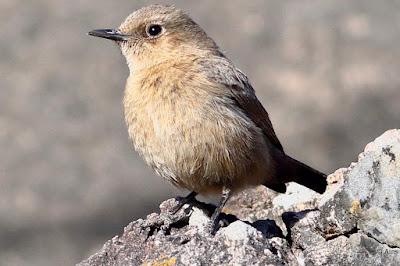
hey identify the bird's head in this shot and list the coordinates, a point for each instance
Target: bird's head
(156, 33)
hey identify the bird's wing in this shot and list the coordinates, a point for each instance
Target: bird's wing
(221, 70)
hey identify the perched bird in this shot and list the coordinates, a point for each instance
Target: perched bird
(193, 116)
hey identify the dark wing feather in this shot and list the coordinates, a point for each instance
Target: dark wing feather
(221, 70)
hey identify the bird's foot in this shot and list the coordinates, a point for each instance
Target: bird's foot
(183, 201)
(167, 219)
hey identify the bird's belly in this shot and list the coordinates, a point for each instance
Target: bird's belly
(201, 151)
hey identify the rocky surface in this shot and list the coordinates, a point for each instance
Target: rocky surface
(184, 240)
(355, 223)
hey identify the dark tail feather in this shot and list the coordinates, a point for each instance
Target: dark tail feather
(290, 169)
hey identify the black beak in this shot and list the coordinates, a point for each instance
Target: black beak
(111, 34)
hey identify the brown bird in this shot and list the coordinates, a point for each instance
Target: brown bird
(193, 116)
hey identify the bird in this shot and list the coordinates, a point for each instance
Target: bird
(193, 116)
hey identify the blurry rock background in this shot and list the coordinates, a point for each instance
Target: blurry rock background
(328, 72)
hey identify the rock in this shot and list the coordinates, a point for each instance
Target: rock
(368, 198)
(356, 223)
(186, 242)
(358, 218)
(294, 195)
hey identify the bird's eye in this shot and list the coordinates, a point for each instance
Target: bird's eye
(154, 30)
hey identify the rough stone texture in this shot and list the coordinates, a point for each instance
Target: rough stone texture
(356, 223)
(358, 218)
(368, 197)
(262, 203)
(184, 240)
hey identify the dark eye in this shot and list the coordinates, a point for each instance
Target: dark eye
(154, 30)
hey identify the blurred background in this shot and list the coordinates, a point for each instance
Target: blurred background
(326, 71)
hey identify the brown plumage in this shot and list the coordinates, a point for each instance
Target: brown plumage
(192, 115)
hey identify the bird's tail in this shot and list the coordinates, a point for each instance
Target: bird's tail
(290, 169)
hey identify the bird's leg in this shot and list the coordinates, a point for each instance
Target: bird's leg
(183, 201)
(226, 193)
